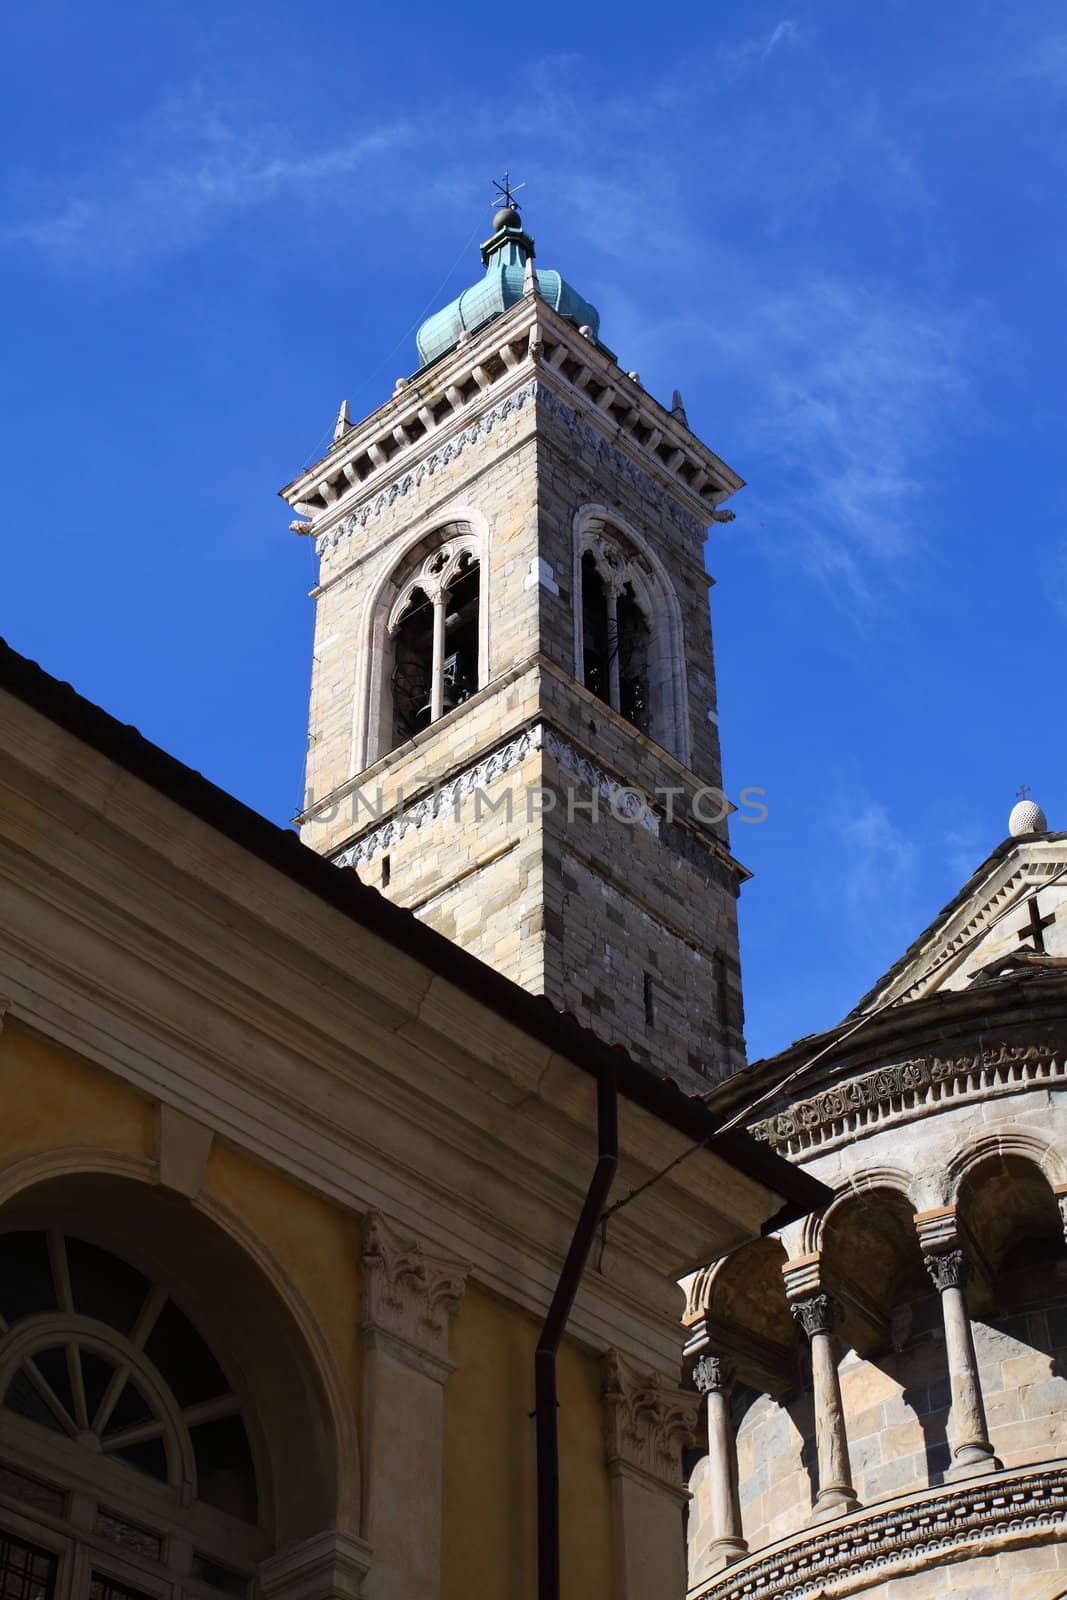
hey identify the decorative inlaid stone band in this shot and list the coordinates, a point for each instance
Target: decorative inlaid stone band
(434, 462)
(612, 459)
(447, 800)
(908, 1088)
(1008, 1509)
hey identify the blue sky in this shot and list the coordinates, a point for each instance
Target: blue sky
(839, 230)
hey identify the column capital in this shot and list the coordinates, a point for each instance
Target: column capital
(712, 1373)
(947, 1268)
(409, 1295)
(648, 1421)
(814, 1313)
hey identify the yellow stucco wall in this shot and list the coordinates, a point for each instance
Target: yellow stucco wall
(315, 1243)
(489, 1511)
(52, 1100)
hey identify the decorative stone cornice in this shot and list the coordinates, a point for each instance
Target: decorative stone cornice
(814, 1314)
(408, 1294)
(530, 339)
(447, 799)
(647, 1421)
(947, 1269)
(902, 1090)
(431, 463)
(858, 1552)
(611, 460)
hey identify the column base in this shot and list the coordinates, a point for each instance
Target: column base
(973, 1463)
(721, 1553)
(830, 1503)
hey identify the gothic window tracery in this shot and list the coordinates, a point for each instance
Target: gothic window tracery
(623, 653)
(434, 627)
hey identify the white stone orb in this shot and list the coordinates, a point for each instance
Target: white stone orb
(1026, 817)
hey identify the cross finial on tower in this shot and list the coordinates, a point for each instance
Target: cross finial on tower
(506, 192)
(1023, 790)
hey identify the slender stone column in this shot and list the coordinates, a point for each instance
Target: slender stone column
(972, 1452)
(437, 681)
(713, 1378)
(835, 1495)
(614, 685)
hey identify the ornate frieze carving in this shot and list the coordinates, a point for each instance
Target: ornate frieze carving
(447, 800)
(947, 1269)
(905, 1089)
(647, 1421)
(845, 1556)
(434, 462)
(408, 1293)
(814, 1314)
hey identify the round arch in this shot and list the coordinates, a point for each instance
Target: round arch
(893, 1178)
(1004, 1143)
(467, 529)
(624, 556)
(1007, 1202)
(220, 1291)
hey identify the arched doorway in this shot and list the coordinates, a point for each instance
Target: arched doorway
(162, 1429)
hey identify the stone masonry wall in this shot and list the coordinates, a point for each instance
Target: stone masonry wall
(897, 1413)
(631, 928)
(495, 477)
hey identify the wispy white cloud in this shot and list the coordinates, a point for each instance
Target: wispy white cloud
(785, 32)
(878, 871)
(757, 47)
(189, 170)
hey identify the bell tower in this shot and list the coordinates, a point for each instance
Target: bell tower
(512, 724)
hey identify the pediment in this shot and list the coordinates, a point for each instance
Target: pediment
(1012, 913)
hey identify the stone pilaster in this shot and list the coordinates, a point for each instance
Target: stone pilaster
(409, 1299)
(647, 1423)
(815, 1315)
(713, 1379)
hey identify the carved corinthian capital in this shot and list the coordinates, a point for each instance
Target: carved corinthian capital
(408, 1294)
(947, 1269)
(647, 1420)
(815, 1314)
(711, 1373)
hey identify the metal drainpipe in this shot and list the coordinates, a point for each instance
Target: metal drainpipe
(545, 1402)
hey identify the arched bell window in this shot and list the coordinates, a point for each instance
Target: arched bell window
(435, 637)
(628, 641)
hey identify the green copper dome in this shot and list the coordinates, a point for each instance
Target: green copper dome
(505, 256)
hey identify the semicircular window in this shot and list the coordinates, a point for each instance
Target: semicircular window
(94, 1351)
